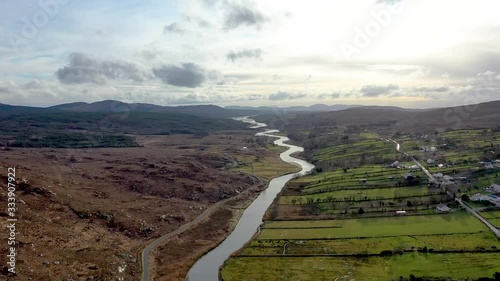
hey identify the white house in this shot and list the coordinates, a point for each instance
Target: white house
(493, 198)
(443, 208)
(495, 187)
(414, 167)
(477, 197)
(395, 164)
(448, 178)
(431, 161)
(438, 175)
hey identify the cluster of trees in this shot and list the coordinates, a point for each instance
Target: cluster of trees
(496, 277)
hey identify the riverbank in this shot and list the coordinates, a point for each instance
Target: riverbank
(176, 254)
(207, 268)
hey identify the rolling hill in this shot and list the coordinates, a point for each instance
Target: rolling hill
(484, 115)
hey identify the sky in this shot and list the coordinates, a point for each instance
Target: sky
(408, 53)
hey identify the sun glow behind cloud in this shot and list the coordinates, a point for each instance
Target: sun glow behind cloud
(246, 51)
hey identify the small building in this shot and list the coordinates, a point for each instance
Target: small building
(479, 197)
(431, 161)
(362, 180)
(433, 149)
(433, 183)
(493, 198)
(414, 168)
(495, 187)
(407, 176)
(448, 178)
(395, 164)
(438, 175)
(400, 212)
(443, 208)
(440, 165)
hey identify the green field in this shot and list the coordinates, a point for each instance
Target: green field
(339, 223)
(375, 227)
(265, 167)
(495, 222)
(367, 142)
(360, 194)
(481, 241)
(491, 214)
(458, 266)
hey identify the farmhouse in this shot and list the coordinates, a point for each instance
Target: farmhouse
(431, 161)
(400, 212)
(493, 198)
(432, 183)
(395, 164)
(438, 175)
(408, 176)
(495, 187)
(443, 208)
(414, 168)
(448, 178)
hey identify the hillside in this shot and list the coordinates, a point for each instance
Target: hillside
(482, 115)
(101, 129)
(118, 106)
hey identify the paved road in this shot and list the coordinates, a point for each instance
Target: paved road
(463, 204)
(477, 215)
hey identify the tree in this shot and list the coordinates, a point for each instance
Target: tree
(465, 197)
(408, 203)
(361, 211)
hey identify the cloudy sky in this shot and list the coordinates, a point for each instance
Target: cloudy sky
(420, 53)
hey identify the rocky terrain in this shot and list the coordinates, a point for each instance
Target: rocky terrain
(85, 214)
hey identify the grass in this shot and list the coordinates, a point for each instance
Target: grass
(491, 214)
(376, 175)
(453, 242)
(375, 227)
(495, 222)
(266, 167)
(457, 266)
(313, 249)
(361, 194)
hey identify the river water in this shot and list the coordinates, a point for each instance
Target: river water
(207, 267)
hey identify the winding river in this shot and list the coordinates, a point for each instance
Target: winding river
(207, 267)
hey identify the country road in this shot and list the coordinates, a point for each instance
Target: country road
(151, 246)
(463, 204)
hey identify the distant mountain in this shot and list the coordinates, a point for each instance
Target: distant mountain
(14, 109)
(311, 108)
(484, 115)
(118, 106)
